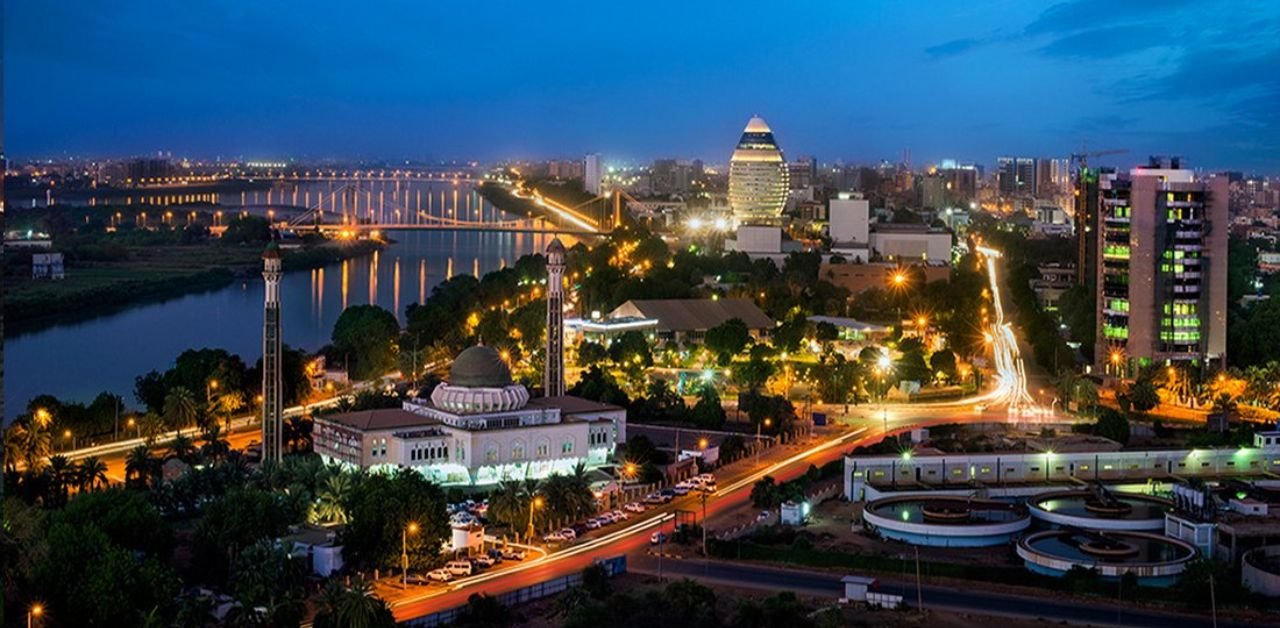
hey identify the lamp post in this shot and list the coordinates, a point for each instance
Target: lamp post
(412, 528)
(534, 504)
(759, 443)
(36, 610)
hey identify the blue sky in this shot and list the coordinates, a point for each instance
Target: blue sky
(849, 80)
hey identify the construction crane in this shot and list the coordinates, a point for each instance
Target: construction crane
(1083, 156)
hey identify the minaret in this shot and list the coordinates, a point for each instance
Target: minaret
(272, 400)
(553, 380)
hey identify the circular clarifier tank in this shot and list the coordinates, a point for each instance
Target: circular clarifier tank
(945, 521)
(1109, 511)
(1153, 559)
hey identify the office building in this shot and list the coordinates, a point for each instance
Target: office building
(592, 173)
(758, 177)
(1162, 271)
(850, 218)
(1015, 176)
(803, 172)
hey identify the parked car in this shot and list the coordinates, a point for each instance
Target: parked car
(512, 553)
(439, 575)
(635, 507)
(460, 567)
(764, 514)
(708, 487)
(569, 533)
(618, 515)
(680, 489)
(655, 498)
(554, 537)
(706, 477)
(483, 562)
(657, 537)
(592, 524)
(667, 495)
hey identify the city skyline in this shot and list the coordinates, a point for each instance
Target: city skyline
(859, 83)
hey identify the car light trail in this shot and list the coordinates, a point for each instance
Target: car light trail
(1011, 373)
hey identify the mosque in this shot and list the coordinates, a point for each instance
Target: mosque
(480, 427)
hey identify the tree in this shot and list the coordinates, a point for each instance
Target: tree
(598, 385)
(708, 413)
(764, 493)
(179, 408)
(591, 353)
(727, 339)
(354, 607)
(182, 448)
(93, 473)
(944, 362)
(365, 337)
(758, 370)
(139, 466)
(330, 504)
(381, 508)
(247, 230)
(483, 611)
(1142, 392)
(149, 390)
(1113, 425)
(631, 348)
(237, 520)
(94, 582)
(266, 575)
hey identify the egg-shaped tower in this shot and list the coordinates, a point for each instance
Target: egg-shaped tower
(758, 179)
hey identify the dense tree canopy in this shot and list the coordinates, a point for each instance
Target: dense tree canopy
(364, 337)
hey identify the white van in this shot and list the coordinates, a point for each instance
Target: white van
(459, 567)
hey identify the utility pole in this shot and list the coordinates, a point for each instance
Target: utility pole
(703, 492)
(1213, 601)
(919, 592)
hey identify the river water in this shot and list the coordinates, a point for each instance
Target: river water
(76, 361)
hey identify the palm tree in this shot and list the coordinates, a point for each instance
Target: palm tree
(139, 465)
(93, 473)
(354, 607)
(180, 408)
(330, 499)
(37, 444)
(152, 427)
(215, 447)
(14, 446)
(510, 504)
(182, 448)
(61, 473)
(225, 405)
(297, 433)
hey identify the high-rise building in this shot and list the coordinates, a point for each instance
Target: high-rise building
(803, 172)
(758, 177)
(592, 173)
(1162, 271)
(1052, 177)
(553, 376)
(1016, 176)
(272, 395)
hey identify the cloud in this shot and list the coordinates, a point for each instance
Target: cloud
(1105, 43)
(954, 47)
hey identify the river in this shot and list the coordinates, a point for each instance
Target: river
(77, 361)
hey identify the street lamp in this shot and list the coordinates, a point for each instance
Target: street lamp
(534, 504)
(412, 528)
(759, 445)
(134, 423)
(883, 366)
(36, 610)
(43, 418)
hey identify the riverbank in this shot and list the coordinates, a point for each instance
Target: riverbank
(150, 275)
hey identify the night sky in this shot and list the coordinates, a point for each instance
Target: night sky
(849, 80)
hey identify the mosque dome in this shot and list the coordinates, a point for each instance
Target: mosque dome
(480, 367)
(479, 381)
